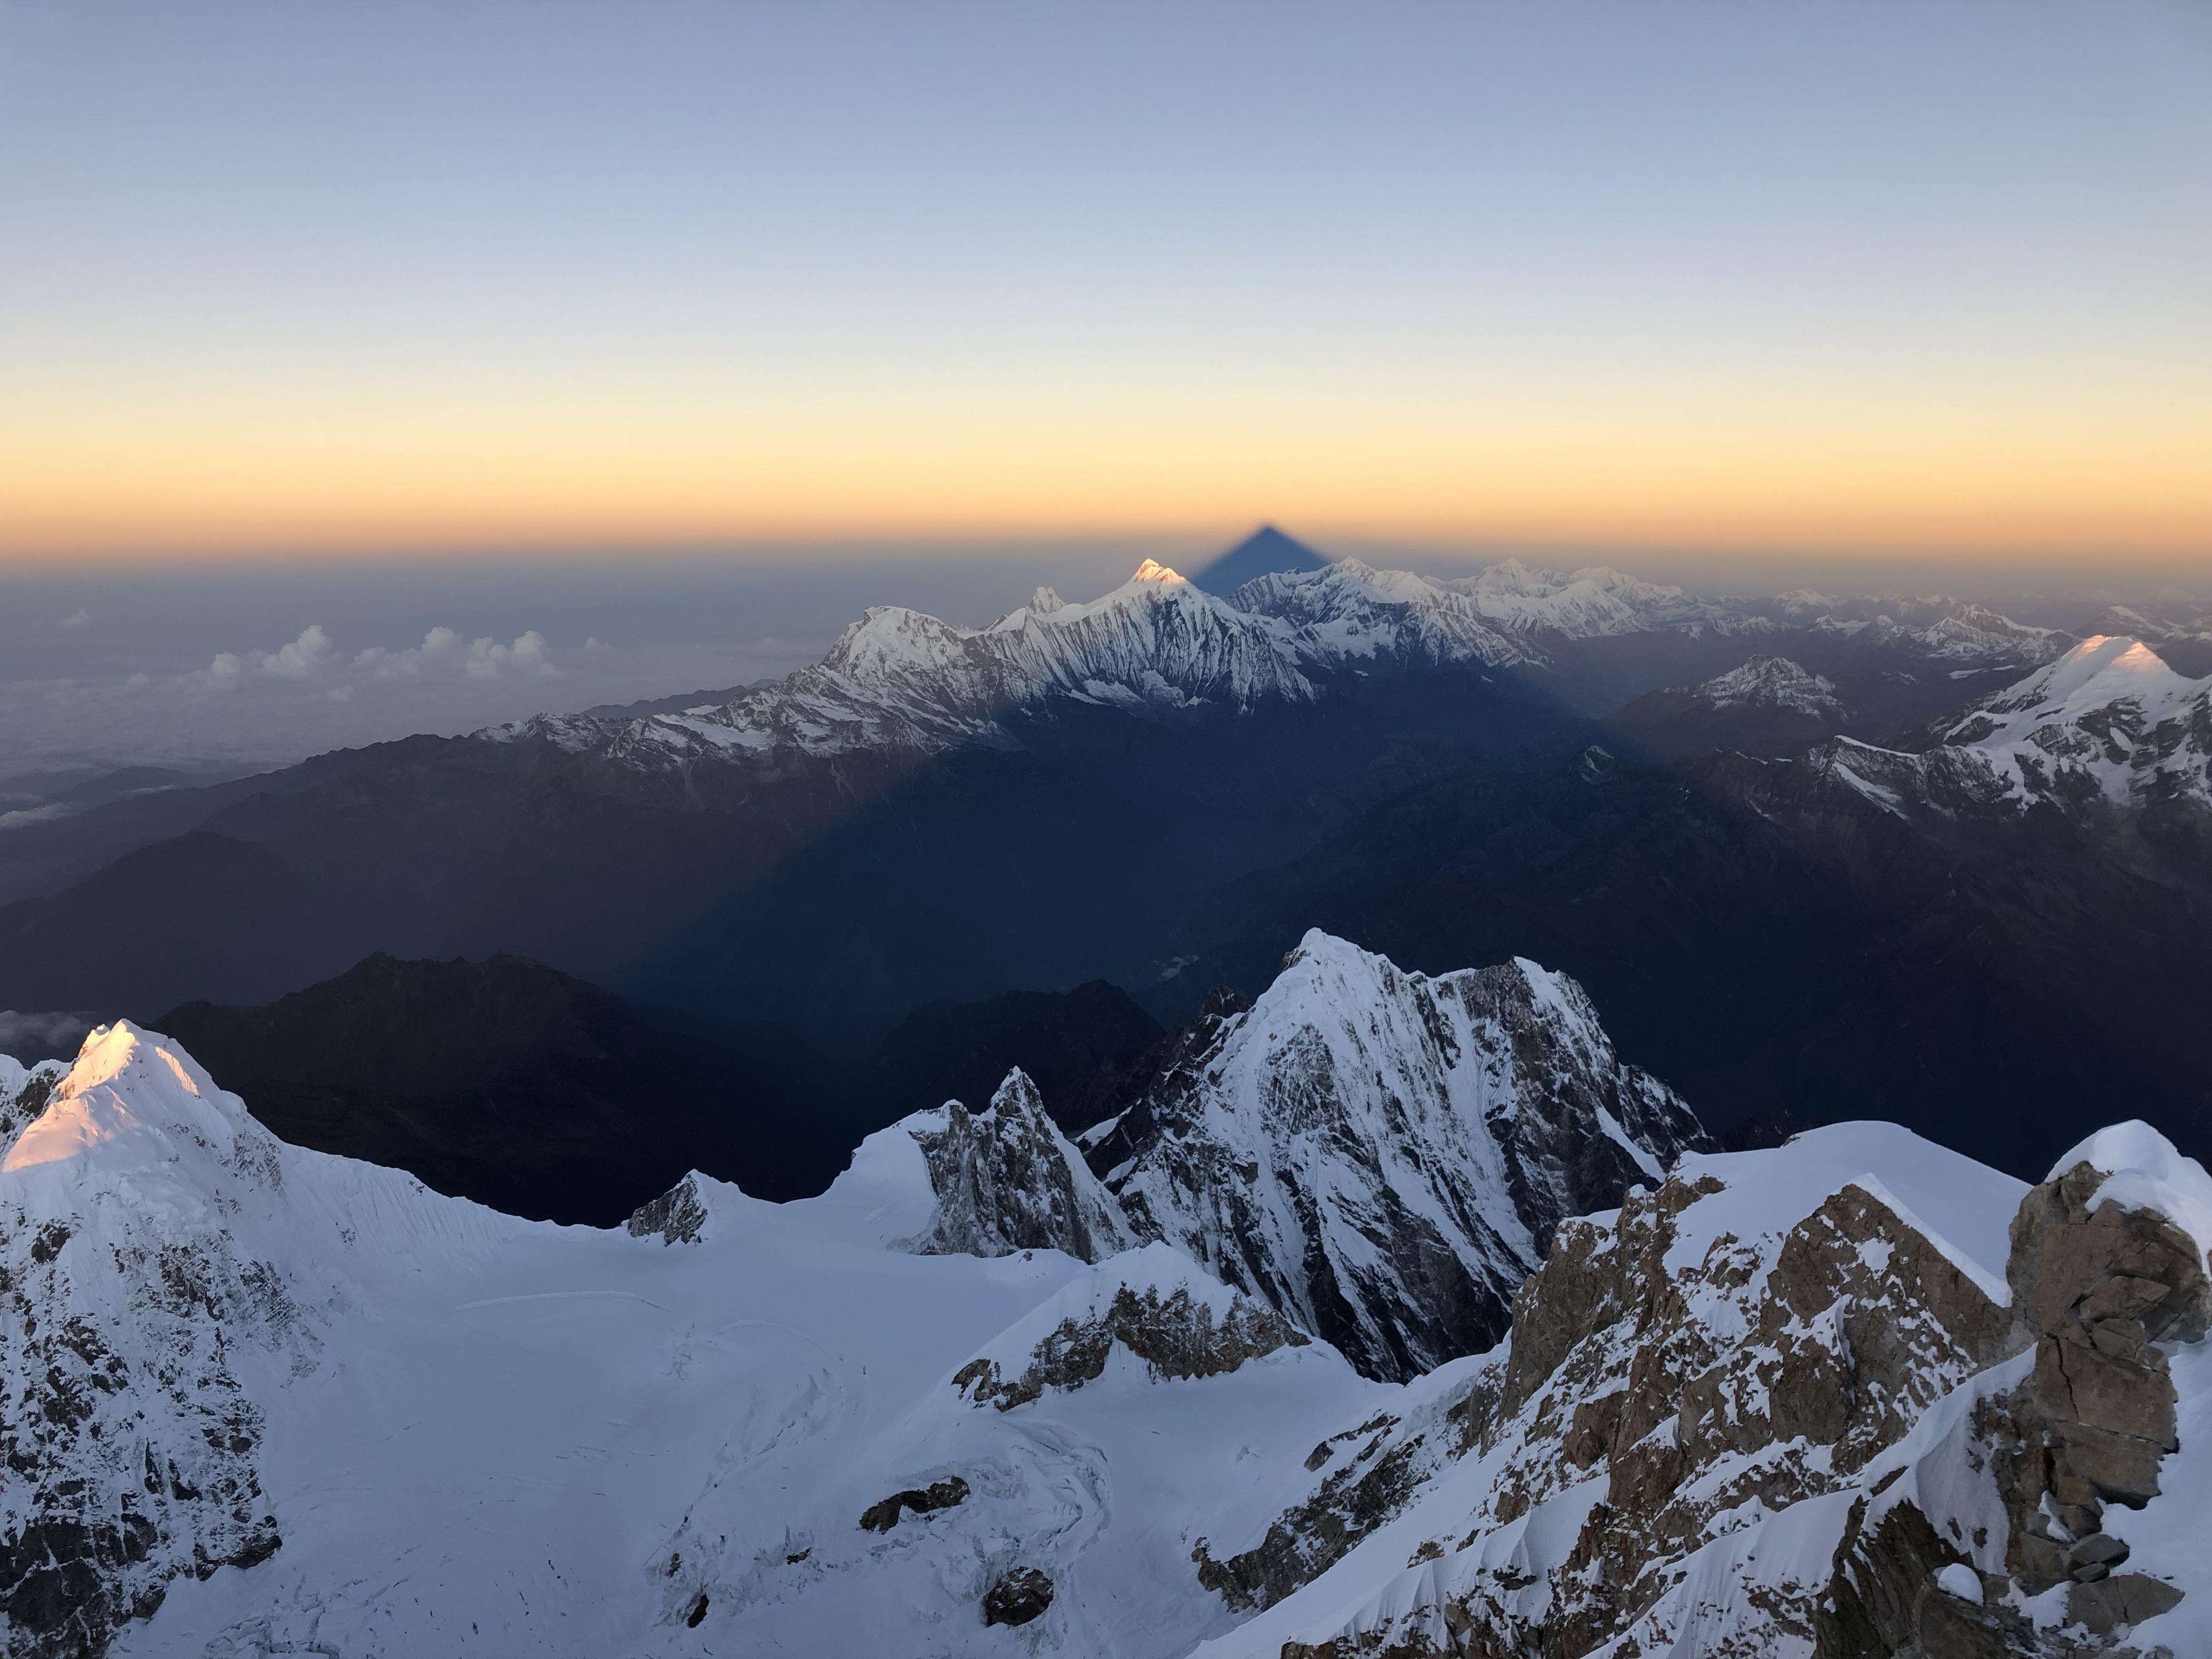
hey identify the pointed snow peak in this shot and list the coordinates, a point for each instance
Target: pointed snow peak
(1770, 682)
(1476, 1109)
(1045, 601)
(2112, 665)
(1152, 570)
(1017, 1094)
(1005, 1179)
(1265, 552)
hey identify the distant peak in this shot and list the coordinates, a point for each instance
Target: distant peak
(1153, 571)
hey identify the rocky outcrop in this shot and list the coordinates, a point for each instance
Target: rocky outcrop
(1839, 1438)
(943, 1494)
(2100, 1292)
(24, 1091)
(1006, 1179)
(678, 1216)
(1018, 1597)
(1176, 1335)
(1382, 1156)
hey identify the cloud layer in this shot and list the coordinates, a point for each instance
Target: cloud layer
(318, 691)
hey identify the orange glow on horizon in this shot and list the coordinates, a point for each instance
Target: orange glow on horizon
(177, 491)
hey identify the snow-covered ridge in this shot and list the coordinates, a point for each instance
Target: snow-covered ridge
(1856, 1394)
(1382, 1155)
(2109, 721)
(246, 1390)
(900, 681)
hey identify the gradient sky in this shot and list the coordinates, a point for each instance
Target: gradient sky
(285, 280)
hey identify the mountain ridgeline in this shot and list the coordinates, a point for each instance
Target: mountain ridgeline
(1814, 857)
(1856, 1395)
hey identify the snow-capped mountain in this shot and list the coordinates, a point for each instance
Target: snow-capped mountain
(1770, 706)
(1770, 682)
(1382, 1156)
(1957, 631)
(2107, 723)
(1591, 603)
(260, 1400)
(1856, 1396)
(1351, 612)
(900, 681)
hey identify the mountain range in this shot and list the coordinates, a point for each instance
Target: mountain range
(1857, 1395)
(1801, 880)
(1340, 1118)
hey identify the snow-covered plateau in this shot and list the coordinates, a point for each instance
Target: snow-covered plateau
(1856, 1396)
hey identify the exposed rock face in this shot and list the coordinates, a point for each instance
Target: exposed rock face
(2096, 1290)
(921, 1500)
(24, 1091)
(1383, 1156)
(676, 1217)
(1176, 1335)
(1021, 1595)
(1006, 1179)
(1714, 1434)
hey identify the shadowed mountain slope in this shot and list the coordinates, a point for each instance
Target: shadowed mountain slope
(520, 1087)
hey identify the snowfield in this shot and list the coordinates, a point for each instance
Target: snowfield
(259, 1401)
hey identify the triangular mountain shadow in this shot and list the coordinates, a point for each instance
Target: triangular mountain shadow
(1266, 552)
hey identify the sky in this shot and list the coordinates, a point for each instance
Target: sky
(427, 286)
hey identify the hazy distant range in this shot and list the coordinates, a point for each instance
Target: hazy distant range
(199, 672)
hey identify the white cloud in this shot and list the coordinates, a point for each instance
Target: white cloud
(33, 1037)
(302, 658)
(77, 618)
(272, 705)
(443, 650)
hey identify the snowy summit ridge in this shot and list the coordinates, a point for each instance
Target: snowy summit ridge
(899, 682)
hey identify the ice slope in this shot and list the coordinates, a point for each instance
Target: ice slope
(414, 1425)
(1382, 1155)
